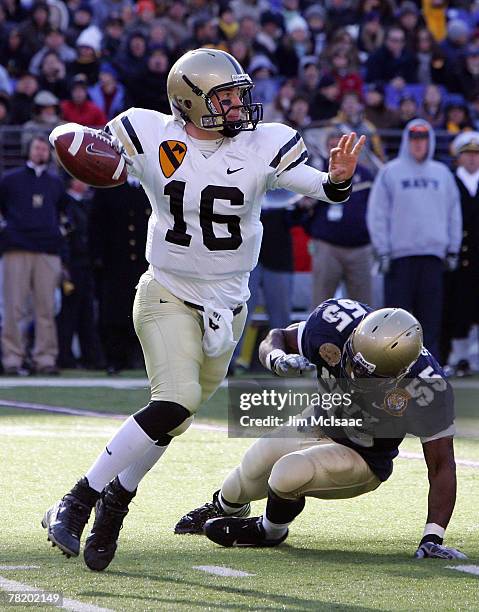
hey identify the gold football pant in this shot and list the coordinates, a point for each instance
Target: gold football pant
(171, 335)
(297, 467)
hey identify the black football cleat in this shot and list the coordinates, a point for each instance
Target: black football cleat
(233, 531)
(66, 520)
(110, 510)
(194, 521)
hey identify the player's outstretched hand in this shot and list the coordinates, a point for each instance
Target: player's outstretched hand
(344, 158)
(292, 365)
(431, 550)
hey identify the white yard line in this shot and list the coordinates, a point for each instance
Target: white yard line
(219, 570)
(11, 586)
(468, 569)
(111, 383)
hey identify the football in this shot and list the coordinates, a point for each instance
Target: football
(89, 157)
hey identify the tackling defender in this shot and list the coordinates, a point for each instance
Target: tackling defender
(373, 351)
(205, 170)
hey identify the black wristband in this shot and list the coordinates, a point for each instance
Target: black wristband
(337, 192)
(431, 537)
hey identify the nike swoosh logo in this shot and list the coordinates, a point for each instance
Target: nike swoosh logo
(90, 148)
(233, 171)
(108, 450)
(163, 301)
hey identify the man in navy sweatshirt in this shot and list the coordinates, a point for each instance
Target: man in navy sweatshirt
(415, 224)
(31, 243)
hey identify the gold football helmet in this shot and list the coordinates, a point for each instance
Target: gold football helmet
(382, 349)
(195, 80)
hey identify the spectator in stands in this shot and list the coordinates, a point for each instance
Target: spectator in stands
(325, 103)
(294, 45)
(241, 51)
(340, 13)
(5, 83)
(298, 116)
(409, 20)
(309, 76)
(432, 66)
(79, 109)
(145, 15)
(35, 29)
(371, 33)
(108, 94)
(407, 111)
(112, 37)
(13, 54)
(457, 118)
(88, 47)
(341, 248)
(315, 16)
(52, 76)
(461, 307)
(345, 70)
(227, 23)
(77, 315)
(466, 74)
(54, 42)
(432, 108)
(149, 89)
(31, 242)
(15, 12)
(45, 117)
(383, 8)
(251, 8)
(453, 46)
(277, 110)
(263, 72)
(81, 19)
(175, 23)
(4, 109)
(351, 119)
(130, 62)
(392, 63)
(375, 109)
(414, 220)
(118, 237)
(22, 99)
(103, 9)
(269, 34)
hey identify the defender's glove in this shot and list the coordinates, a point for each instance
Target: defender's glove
(384, 264)
(288, 365)
(451, 262)
(431, 550)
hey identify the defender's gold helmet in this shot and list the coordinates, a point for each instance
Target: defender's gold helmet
(195, 80)
(382, 349)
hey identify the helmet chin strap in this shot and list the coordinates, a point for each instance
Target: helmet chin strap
(230, 132)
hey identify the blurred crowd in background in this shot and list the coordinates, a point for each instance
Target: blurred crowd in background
(325, 68)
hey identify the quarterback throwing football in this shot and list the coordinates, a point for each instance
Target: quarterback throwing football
(205, 170)
(398, 388)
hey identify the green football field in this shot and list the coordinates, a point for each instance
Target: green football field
(341, 555)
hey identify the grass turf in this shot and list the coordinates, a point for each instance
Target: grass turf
(344, 555)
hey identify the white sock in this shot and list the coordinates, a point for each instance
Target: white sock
(229, 509)
(131, 476)
(128, 445)
(273, 530)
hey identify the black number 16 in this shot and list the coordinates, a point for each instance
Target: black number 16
(178, 235)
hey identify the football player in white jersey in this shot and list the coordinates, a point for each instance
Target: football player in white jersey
(205, 170)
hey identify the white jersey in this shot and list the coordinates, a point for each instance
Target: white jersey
(204, 234)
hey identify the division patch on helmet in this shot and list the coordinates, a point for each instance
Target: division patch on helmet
(330, 353)
(171, 155)
(395, 402)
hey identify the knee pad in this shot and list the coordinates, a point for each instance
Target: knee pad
(290, 475)
(163, 420)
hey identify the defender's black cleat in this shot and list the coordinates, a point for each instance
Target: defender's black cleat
(194, 521)
(66, 520)
(232, 531)
(110, 510)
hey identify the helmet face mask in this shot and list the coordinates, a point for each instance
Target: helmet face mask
(195, 83)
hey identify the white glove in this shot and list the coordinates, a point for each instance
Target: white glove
(289, 365)
(431, 550)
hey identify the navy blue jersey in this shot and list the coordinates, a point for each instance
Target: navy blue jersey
(421, 404)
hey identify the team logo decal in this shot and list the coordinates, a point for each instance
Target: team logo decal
(395, 402)
(171, 154)
(330, 353)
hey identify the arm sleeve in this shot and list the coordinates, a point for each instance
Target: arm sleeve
(128, 127)
(378, 215)
(455, 219)
(313, 183)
